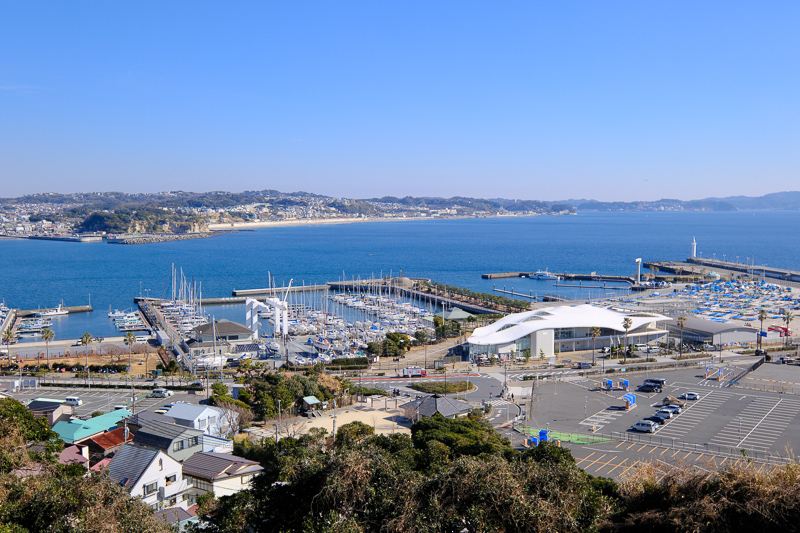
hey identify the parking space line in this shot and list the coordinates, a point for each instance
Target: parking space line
(701, 456)
(626, 470)
(643, 446)
(654, 449)
(604, 465)
(593, 462)
(663, 452)
(631, 446)
(676, 453)
(585, 458)
(618, 466)
(687, 455)
(620, 444)
(759, 422)
(723, 461)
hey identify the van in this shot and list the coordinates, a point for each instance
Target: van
(582, 366)
(73, 400)
(646, 426)
(160, 393)
(642, 347)
(655, 381)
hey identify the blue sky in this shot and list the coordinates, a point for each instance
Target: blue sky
(537, 100)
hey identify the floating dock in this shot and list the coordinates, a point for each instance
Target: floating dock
(565, 276)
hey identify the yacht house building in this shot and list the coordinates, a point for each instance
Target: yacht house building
(565, 328)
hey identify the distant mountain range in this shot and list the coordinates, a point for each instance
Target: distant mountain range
(83, 203)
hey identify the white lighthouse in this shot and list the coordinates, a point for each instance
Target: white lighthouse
(694, 247)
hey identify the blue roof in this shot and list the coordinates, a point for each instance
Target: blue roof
(77, 430)
(311, 400)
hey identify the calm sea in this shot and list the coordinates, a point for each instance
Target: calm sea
(36, 274)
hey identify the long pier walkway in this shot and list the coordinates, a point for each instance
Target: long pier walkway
(565, 276)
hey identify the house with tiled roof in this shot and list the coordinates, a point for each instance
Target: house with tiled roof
(179, 442)
(53, 410)
(75, 454)
(209, 419)
(106, 444)
(150, 474)
(430, 405)
(221, 473)
(73, 431)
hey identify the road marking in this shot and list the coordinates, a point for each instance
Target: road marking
(665, 451)
(723, 461)
(593, 462)
(631, 446)
(687, 455)
(585, 458)
(759, 422)
(626, 470)
(620, 444)
(643, 446)
(701, 456)
(654, 449)
(604, 465)
(619, 465)
(676, 453)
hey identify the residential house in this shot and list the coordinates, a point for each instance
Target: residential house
(141, 419)
(150, 474)
(221, 473)
(178, 517)
(106, 444)
(53, 410)
(75, 454)
(210, 419)
(179, 442)
(73, 431)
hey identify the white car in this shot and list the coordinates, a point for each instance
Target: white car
(665, 413)
(645, 426)
(674, 408)
(689, 396)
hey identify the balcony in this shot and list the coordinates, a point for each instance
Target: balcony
(173, 489)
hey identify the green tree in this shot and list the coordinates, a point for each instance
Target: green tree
(762, 316)
(594, 333)
(219, 389)
(626, 324)
(788, 317)
(353, 433)
(130, 340)
(8, 337)
(47, 336)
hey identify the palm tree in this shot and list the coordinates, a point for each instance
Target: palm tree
(86, 340)
(47, 336)
(8, 336)
(130, 339)
(788, 317)
(681, 323)
(594, 333)
(627, 323)
(762, 316)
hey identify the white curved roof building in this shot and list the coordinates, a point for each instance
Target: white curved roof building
(565, 327)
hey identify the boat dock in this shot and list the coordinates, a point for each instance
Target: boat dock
(511, 292)
(71, 309)
(697, 267)
(276, 291)
(566, 276)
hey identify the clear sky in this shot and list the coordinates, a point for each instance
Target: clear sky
(537, 100)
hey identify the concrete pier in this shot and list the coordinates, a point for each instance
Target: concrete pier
(72, 310)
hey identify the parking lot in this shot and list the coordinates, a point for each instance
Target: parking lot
(722, 421)
(104, 400)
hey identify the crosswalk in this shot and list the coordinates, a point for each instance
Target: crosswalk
(602, 418)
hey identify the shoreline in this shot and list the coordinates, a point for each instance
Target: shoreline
(318, 222)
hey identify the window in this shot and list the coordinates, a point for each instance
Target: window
(160, 464)
(200, 484)
(203, 423)
(150, 489)
(179, 445)
(173, 501)
(171, 479)
(194, 441)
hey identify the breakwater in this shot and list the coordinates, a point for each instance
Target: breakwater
(164, 237)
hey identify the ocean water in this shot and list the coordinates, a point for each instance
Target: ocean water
(36, 274)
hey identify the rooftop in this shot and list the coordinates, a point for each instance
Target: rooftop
(76, 430)
(209, 465)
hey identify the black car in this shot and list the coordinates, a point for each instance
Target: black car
(760, 352)
(656, 419)
(649, 388)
